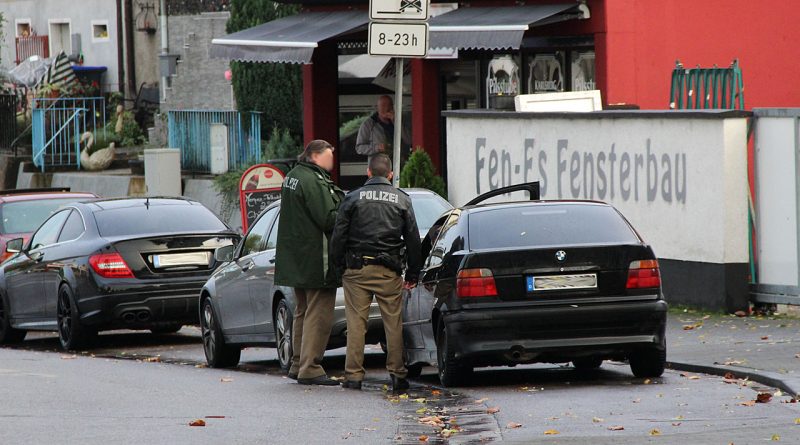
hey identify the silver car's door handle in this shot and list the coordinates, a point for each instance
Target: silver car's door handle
(248, 266)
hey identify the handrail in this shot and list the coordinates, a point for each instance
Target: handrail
(39, 154)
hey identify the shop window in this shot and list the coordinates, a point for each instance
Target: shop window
(60, 36)
(100, 31)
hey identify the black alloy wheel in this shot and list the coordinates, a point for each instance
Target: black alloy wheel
(8, 335)
(218, 353)
(451, 371)
(72, 334)
(283, 334)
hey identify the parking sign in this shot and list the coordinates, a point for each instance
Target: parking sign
(398, 9)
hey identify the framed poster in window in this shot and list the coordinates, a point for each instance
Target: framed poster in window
(546, 73)
(583, 74)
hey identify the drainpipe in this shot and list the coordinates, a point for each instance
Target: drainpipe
(130, 55)
(120, 49)
(164, 47)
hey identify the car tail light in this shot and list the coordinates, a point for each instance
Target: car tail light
(110, 265)
(475, 283)
(643, 274)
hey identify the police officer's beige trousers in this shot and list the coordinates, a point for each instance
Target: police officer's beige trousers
(359, 287)
(311, 328)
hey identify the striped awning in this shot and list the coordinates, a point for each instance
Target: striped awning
(60, 73)
(290, 39)
(495, 28)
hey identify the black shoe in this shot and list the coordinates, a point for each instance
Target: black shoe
(322, 380)
(292, 376)
(399, 384)
(352, 384)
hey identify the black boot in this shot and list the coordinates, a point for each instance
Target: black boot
(352, 384)
(399, 384)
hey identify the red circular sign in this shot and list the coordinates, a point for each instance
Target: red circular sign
(268, 174)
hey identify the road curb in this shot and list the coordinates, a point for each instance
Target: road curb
(790, 386)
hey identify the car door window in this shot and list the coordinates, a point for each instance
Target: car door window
(445, 241)
(272, 239)
(48, 232)
(73, 228)
(254, 241)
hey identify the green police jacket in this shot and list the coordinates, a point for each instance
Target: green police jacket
(309, 201)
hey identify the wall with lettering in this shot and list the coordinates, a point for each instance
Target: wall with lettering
(680, 178)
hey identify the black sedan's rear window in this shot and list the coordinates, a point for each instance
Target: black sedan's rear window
(548, 225)
(142, 220)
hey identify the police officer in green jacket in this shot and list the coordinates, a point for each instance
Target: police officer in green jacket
(309, 202)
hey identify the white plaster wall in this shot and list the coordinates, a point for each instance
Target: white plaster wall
(80, 14)
(686, 181)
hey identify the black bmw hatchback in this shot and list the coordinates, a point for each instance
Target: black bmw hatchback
(134, 263)
(535, 281)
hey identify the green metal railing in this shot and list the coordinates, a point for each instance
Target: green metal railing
(703, 88)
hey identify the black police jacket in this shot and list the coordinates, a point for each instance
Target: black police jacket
(373, 219)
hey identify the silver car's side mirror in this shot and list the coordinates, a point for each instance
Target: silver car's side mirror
(224, 254)
(14, 245)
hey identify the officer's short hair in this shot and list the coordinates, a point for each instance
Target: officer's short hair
(315, 146)
(380, 165)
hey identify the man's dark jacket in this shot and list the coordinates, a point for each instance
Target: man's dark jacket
(373, 219)
(309, 201)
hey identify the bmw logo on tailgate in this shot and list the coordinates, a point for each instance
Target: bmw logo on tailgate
(561, 256)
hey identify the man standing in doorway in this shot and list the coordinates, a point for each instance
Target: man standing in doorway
(309, 201)
(374, 225)
(376, 133)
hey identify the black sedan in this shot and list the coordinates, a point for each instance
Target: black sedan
(109, 264)
(535, 281)
(242, 306)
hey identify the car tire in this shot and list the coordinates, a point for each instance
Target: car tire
(8, 335)
(414, 371)
(648, 362)
(72, 334)
(587, 363)
(451, 371)
(167, 328)
(283, 318)
(218, 353)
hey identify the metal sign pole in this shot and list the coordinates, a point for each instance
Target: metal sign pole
(398, 118)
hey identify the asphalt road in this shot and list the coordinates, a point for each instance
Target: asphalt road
(142, 388)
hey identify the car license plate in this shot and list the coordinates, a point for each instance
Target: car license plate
(562, 282)
(181, 259)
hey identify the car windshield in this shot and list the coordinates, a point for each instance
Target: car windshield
(142, 219)
(26, 216)
(428, 207)
(548, 225)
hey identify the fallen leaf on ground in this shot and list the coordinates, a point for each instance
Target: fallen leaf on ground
(403, 396)
(215, 417)
(678, 418)
(422, 410)
(676, 424)
(155, 359)
(551, 432)
(420, 400)
(616, 428)
(778, 393)
(447, 432)
(481, 400)
(694, 377)
(748, 403)
(423, 438)
(775, 438)
(733, 362)
(740, 314)
(655, 432)
(706, 317)
(797, 356)
(765, 337)
(197, 422)
(226, 380)
(369, 429)
(688, 327)
(596, 419)
(763, 397)
(513, 425)
(646, 381)
(434, 421)
(730, 376)
(493, 410)
(797, 421)
(637, 400)
(68, 357)
(436, 392)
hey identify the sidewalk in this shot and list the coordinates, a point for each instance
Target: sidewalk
(763, 349)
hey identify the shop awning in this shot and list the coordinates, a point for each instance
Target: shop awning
(288, 40)
(497, 27)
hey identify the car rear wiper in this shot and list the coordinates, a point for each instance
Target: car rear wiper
(531, 187)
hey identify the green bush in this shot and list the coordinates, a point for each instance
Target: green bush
(281, 145)
(350, 127)
(418, 171)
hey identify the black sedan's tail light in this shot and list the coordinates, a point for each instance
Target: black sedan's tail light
(643, 274)
(475, 283)
(110, 265)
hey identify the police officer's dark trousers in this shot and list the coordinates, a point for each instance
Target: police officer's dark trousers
(359, 287)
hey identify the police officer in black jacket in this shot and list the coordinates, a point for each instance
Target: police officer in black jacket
(374, 227)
